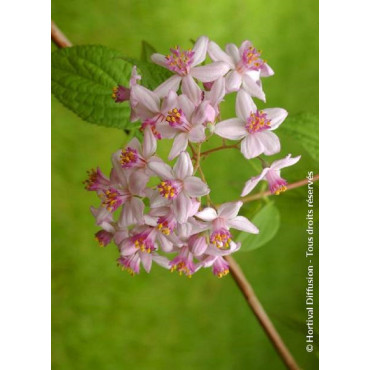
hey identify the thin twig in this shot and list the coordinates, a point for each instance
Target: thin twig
(58, 37)
(236, 146)
(288, 187)
(260, 313)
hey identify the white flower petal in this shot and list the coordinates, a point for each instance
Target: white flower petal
(233, 129)
(252, 183)
(183, 167)
(195, 187)
(244, 105)
(270, 141)
(243, 224)
(159, 59)
(276, 115)
(181, 207)
(162, 170)
(210, 72)
(251, 147)
(179, 145)
(218, 55)
(164, 88)
(197, 134)
(233, 81)
(207, 214)
(233, 51)
(146, 260)
(285, 162)
(266, 71)
(200, 50)
(253, 87)
(190, 88)
(149, 143)
(147, 98)
(229, 210)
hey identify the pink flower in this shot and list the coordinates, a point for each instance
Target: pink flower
(222, 220)
(184, 123)
(149, 108)
(246, 67)
(96, 180)
(253, 127)
(131, 263)
(183, 263)
(105, 220)
(178, 185)
(122, 93)
(271, 174)
(135, 158)
(184, 64)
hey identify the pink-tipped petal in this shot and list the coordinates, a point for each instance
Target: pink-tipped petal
(252, 183)
(233, 129)
(233, 51)
(244, 105)
(162, 170)
(285, 162)
(159, 59)
(190, 88)
(195, 187)
(276, 115)
(207, 214)
(149, 143)
(197, 134)
(181, 207)
(200, 50)
(229, 210)
(266, 71)
(233, 81)
(253, 87)
(183, 167)
(243, 224)
(179, 145)
(146, 260)
(210, 72)
(218, 55)
(251, 147)
(147, 98)
(270, 141)
(172, 83)
(161, 261)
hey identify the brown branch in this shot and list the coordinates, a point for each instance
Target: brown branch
(260, 313)
(219, 148)
(288, 187)
(58, 37)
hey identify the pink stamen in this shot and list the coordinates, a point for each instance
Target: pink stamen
(169, 189)
(179, 61)
(257, 122)
(130, 158)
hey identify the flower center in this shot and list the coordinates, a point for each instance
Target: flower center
(112, 199)
(221, 238)
(277, 184)
(144, 243)
(251, 59)
(129, 158)
(179, 61)
(120, 94)
(257, 122)
(176, 118)
(169, 189)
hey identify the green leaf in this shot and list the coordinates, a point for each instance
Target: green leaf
(83, 78)
(268, 222)
(146, 51)
(152, 75)
(304, 128)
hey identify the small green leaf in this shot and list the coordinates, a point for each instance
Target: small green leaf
(304, 128)
(146, 51)
(268, 223)
(83, 78)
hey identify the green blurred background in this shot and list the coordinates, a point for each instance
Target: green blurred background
(105, 319)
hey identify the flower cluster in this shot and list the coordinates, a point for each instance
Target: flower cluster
(166, 222)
